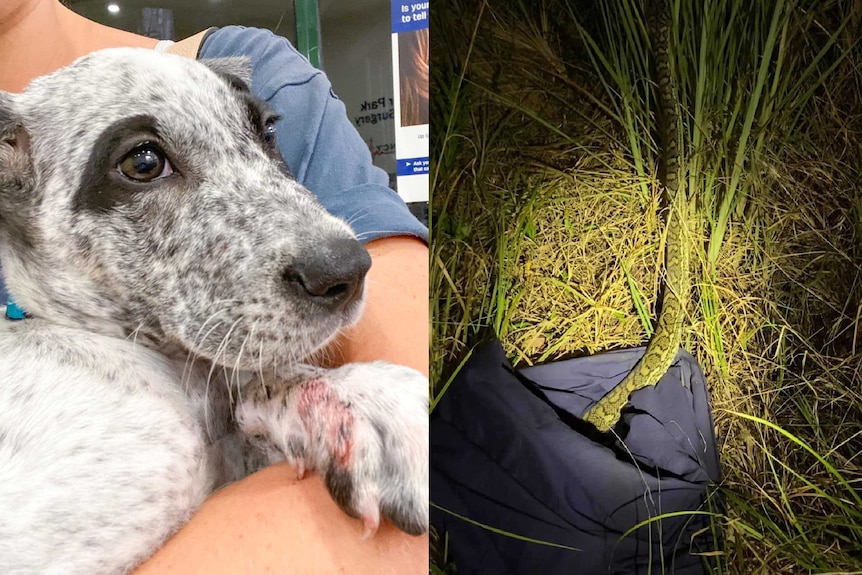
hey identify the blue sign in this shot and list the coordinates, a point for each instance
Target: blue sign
(409, 15)
(412, 166)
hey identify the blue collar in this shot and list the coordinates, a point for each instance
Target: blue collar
(13, 311)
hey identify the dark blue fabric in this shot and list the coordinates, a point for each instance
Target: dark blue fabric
(508, 450)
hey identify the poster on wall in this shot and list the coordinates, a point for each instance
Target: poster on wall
(373, 121)
(410, 66)
(358, 49)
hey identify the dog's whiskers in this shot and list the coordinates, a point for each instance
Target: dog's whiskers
(220, 350)
(364, 212)
(235, 378)
(134, 333)
(198, 342)
(327, 354)
(260, 366)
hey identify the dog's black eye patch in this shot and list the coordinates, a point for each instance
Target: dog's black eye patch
(127, 157)
(269, 131)
(269, 135)
(261, 117)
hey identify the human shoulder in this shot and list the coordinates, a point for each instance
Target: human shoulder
(275, 61)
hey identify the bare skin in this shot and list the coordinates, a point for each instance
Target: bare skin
(268, 522)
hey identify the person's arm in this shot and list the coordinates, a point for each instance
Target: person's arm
(394, 326)
(272, 523)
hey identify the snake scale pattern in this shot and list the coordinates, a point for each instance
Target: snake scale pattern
(665, 342)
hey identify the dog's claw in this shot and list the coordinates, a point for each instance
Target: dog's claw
(364, 427)
(300, 470)
(371, 524)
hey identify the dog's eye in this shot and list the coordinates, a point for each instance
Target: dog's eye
(145, 163)
(269, 132)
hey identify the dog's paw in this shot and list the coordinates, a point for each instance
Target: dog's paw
(363, 427)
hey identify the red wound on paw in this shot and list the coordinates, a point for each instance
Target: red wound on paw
(321, 410)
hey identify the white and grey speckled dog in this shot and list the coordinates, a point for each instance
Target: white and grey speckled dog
(177, 277)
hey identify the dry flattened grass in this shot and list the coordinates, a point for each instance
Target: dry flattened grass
(546, 233)
(590, 247)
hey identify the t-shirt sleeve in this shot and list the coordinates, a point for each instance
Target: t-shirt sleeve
(319, 144)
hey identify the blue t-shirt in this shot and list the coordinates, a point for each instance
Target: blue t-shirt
(319, 144)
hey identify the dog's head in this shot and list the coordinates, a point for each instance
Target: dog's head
(143, 193)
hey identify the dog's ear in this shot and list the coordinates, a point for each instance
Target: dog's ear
(14, 140)
(235, 70)
(17, 177)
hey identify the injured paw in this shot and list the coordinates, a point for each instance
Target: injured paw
(363, 427)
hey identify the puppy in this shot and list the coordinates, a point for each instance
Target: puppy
(177, 277)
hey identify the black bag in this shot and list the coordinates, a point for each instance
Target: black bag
(508, 451)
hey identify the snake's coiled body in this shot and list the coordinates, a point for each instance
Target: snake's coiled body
(662, 348)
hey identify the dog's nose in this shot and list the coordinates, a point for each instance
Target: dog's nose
(332, 276)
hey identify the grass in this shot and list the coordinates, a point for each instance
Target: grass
(546, 230)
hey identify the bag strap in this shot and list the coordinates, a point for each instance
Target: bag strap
(190, 46)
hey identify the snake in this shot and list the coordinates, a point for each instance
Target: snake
(666, 339)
